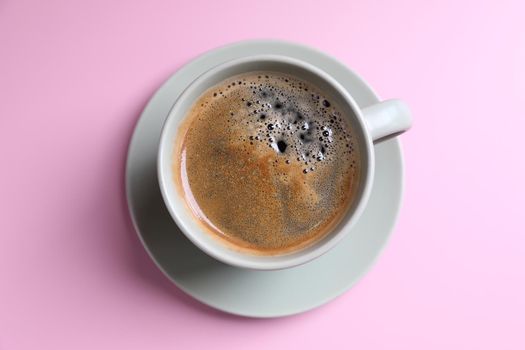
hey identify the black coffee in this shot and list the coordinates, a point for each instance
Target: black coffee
(267, 162)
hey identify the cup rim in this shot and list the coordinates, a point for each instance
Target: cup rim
(166, 145)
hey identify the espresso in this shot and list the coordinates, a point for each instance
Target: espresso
(267, 162)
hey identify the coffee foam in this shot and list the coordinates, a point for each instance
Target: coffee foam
(270, 161)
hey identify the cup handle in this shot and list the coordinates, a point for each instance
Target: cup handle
(387, 119)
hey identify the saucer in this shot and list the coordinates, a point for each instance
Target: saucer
(247, 292)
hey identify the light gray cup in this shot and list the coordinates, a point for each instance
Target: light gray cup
(372, 124)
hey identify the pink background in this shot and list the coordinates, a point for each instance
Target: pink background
(74, 77)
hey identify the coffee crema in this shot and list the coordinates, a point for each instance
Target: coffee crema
(267, 162)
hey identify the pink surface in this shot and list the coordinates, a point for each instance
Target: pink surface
(74, 77)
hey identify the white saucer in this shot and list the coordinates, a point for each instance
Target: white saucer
(245, 292)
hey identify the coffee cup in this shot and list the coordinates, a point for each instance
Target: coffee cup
(371, 125)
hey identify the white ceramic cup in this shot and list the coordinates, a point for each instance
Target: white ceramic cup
(371, 124)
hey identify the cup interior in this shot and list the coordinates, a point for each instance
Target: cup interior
(180, 210)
